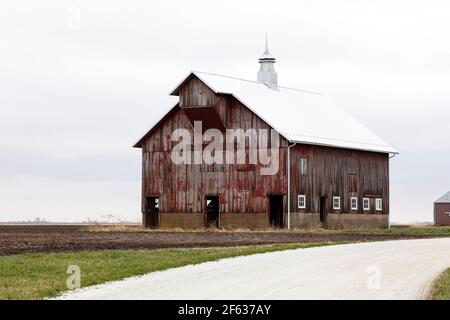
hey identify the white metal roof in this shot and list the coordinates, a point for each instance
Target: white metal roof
(444, 199)
(299, 116)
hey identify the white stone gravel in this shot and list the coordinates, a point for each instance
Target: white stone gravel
(401, 269)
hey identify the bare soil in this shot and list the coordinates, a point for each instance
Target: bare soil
(15, 239)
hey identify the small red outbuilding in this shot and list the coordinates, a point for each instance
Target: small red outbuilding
(442, 210)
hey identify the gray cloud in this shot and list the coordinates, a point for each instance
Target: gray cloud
(78, 90)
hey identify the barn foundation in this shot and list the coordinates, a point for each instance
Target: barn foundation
(352, 221)
(260, 221)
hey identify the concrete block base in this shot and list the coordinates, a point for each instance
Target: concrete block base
(349, 221)
(181, 220)
(258, 221)
(251, 221)
(305, 220)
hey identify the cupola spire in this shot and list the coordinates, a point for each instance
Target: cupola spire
(267, 73)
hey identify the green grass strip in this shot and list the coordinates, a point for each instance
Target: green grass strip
(441, 287)
(39, 275)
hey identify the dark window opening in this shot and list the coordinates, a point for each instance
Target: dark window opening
(212, 212)
(151, 218)
(323, 211)
(276, 211)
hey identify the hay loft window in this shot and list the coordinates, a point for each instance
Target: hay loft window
(378, 204)
(366, 204)
(303, 166)
(354, 203)
(301, 201)
(336, 203)
(352, 184)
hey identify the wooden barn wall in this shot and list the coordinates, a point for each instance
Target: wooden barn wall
(339, 172)
(441, 217)
(182, 188)
(196, 94)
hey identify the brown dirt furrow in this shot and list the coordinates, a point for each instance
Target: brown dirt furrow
(15, 239)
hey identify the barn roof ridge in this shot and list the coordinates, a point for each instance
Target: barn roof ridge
(253, 81)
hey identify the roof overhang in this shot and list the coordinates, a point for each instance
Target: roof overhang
(175, 108)
(289, 137)
(176, 91)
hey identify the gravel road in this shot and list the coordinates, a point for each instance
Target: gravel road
(376, 270)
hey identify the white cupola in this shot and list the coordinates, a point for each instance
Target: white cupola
(267, 73)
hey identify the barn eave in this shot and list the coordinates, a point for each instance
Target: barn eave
(139, 143)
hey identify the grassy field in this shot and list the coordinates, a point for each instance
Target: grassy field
(35, 275)
(441, 287)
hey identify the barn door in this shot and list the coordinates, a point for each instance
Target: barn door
(212, 212)
(276, 211)
(152, 212)
(323, 211)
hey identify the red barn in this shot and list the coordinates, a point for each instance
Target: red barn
(236, 153)
(442, 210)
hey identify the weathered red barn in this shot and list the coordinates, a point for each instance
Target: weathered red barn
(324, 167)
(442, 210)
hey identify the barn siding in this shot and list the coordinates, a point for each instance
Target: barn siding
(441, 219)
(182, 188)
(339, 172)
(196, 94)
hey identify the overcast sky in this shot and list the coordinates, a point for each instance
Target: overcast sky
(81, 81)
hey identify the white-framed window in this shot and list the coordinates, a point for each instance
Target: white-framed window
(301, 201)
(337, 203)
(354, 203)
(378, 204)
(366, 204)
(303, 166)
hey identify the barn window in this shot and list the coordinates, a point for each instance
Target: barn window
(366, 204)
(303, 166)
(378, 204)
(336, 203)
(354, 203)
(301, 201)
